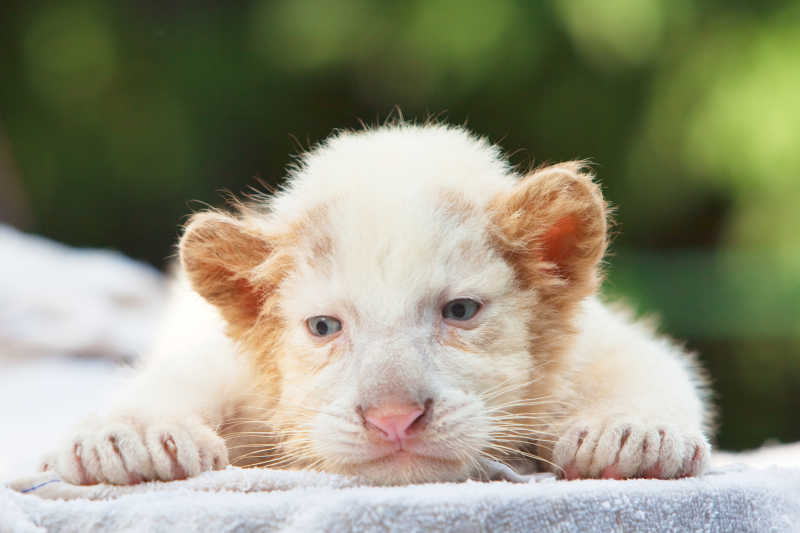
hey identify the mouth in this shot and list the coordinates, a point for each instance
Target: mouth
(401, 456)
(402, 462)
(404, 452)
(401, 466)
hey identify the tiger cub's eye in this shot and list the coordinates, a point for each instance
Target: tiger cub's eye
(323, 326)
(461, 309)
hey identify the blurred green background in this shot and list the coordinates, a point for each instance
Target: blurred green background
(114, 115)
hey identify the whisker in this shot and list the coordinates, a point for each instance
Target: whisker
(521, 441)
(532, 429)
(511, 451)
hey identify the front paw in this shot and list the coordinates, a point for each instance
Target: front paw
(127, 450)
(618, 448)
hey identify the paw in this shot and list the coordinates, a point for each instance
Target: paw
(126, 451)
(617, 448)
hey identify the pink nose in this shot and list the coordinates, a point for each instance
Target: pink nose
(394, 421)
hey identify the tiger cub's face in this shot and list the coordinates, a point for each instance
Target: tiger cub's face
(406, 322)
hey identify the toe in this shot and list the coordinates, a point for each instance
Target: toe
(697, 454)
(632, 453)
(586, 449)
(212, 451)
(173, 452)
(670, 457)
(69, 464)
(606, 453)
(110, 460)
(651, 447)
(128, 457)
(564, 453)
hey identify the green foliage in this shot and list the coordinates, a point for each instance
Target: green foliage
(117, 114)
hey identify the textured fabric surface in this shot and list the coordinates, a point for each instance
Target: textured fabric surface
(737, 499)
(60, 300)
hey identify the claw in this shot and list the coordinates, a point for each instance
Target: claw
(611, 472)
(653, 473)
(77, 450)
(172, 450)
(581, 438)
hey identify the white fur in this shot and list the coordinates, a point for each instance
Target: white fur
(398, 255)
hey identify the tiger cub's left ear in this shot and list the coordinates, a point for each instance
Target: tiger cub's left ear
(553, 229)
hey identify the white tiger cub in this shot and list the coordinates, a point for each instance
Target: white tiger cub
(404, 309)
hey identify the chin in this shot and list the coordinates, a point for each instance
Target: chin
(405, 468)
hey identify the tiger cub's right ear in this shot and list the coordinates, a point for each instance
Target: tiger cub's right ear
(220, 255)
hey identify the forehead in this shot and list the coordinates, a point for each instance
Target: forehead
(393, 216)
(386, 258)
(405, 237)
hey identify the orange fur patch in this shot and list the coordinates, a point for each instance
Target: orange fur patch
(552, 229)
(217, 251)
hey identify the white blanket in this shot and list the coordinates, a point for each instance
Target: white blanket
(743, 500)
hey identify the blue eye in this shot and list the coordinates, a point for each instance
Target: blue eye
(323, 326)
(461, 309)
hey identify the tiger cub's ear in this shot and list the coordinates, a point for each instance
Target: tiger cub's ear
(553, 229)
(220, 255)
